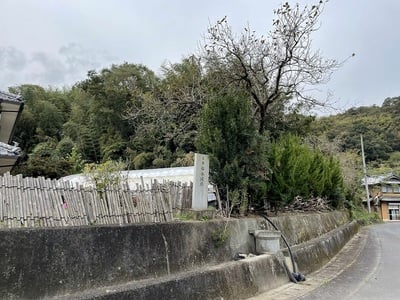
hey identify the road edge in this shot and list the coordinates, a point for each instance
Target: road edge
(338, 264)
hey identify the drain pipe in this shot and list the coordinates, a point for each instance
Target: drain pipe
(294, 276)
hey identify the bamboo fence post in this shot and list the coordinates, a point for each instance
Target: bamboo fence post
(150, 203)
(39, 198)
(34, 210)
(128, 205)
(94, 206)
(140, 206)
(114, 206)
(35, 205)
(83, 217)
(65, 191)
(165, 211)
(8, 201)
(153, 201)
(78, 199)
(30, 207)
(57, 200)
(23, 210)
(142, 198)
(169, 204)
(140, 203)
(56, 213)
(45, 198)
(112, 213)
(125, 203)
(2, 192)
(122, 207)
(3, 198)
(74, 210)
(145, 206)
(15, 205)
(27, 203)
(102, 206)
(82, 196)
(107, 208)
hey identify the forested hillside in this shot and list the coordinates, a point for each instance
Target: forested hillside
(380, 127)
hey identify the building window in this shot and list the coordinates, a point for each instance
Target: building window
(394, 211)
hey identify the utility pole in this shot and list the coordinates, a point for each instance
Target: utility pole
(365, 174)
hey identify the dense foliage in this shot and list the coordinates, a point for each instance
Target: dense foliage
(299, 170)
(229, 135)
(379, 126)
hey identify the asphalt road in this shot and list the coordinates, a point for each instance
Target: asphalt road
(368, 267)
(375, 274)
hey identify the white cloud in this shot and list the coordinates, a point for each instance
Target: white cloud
(69, 65)
(12, 59)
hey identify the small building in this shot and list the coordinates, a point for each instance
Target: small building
(384, 194)
(145, 177)
(10, 109)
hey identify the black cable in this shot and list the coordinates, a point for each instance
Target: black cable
(294, 276)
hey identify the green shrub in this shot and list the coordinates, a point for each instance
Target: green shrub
(220, 236)
(300, 170)
(363, 217)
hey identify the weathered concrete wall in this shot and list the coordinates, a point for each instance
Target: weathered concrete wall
(300, 228)
(36, 263)
(231, 280)
(314, 254)
(39, 262)
(297, 228)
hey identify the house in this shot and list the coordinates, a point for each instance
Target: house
(10, 109)
(384, 194)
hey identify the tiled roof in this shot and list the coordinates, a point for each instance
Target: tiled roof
(10, 97)
(8, 150)
(388, 179)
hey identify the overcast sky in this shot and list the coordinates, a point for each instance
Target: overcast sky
(55, 42)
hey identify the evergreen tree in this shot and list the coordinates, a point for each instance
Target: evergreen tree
(300, 170)
(227, 133)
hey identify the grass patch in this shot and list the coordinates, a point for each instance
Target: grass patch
(363, 217)
(185, 216)
(220, 236)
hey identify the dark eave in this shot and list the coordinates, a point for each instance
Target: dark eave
(390, 199)
(11, 107)
(7, 97)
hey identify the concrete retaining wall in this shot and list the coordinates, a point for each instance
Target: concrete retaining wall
(232, 280)
(37, 263)
(314, 254)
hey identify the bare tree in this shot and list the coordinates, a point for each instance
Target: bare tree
(275, 68)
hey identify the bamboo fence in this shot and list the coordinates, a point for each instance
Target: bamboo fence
(40, 202)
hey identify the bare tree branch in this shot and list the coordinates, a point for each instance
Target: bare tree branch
(276, 67)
